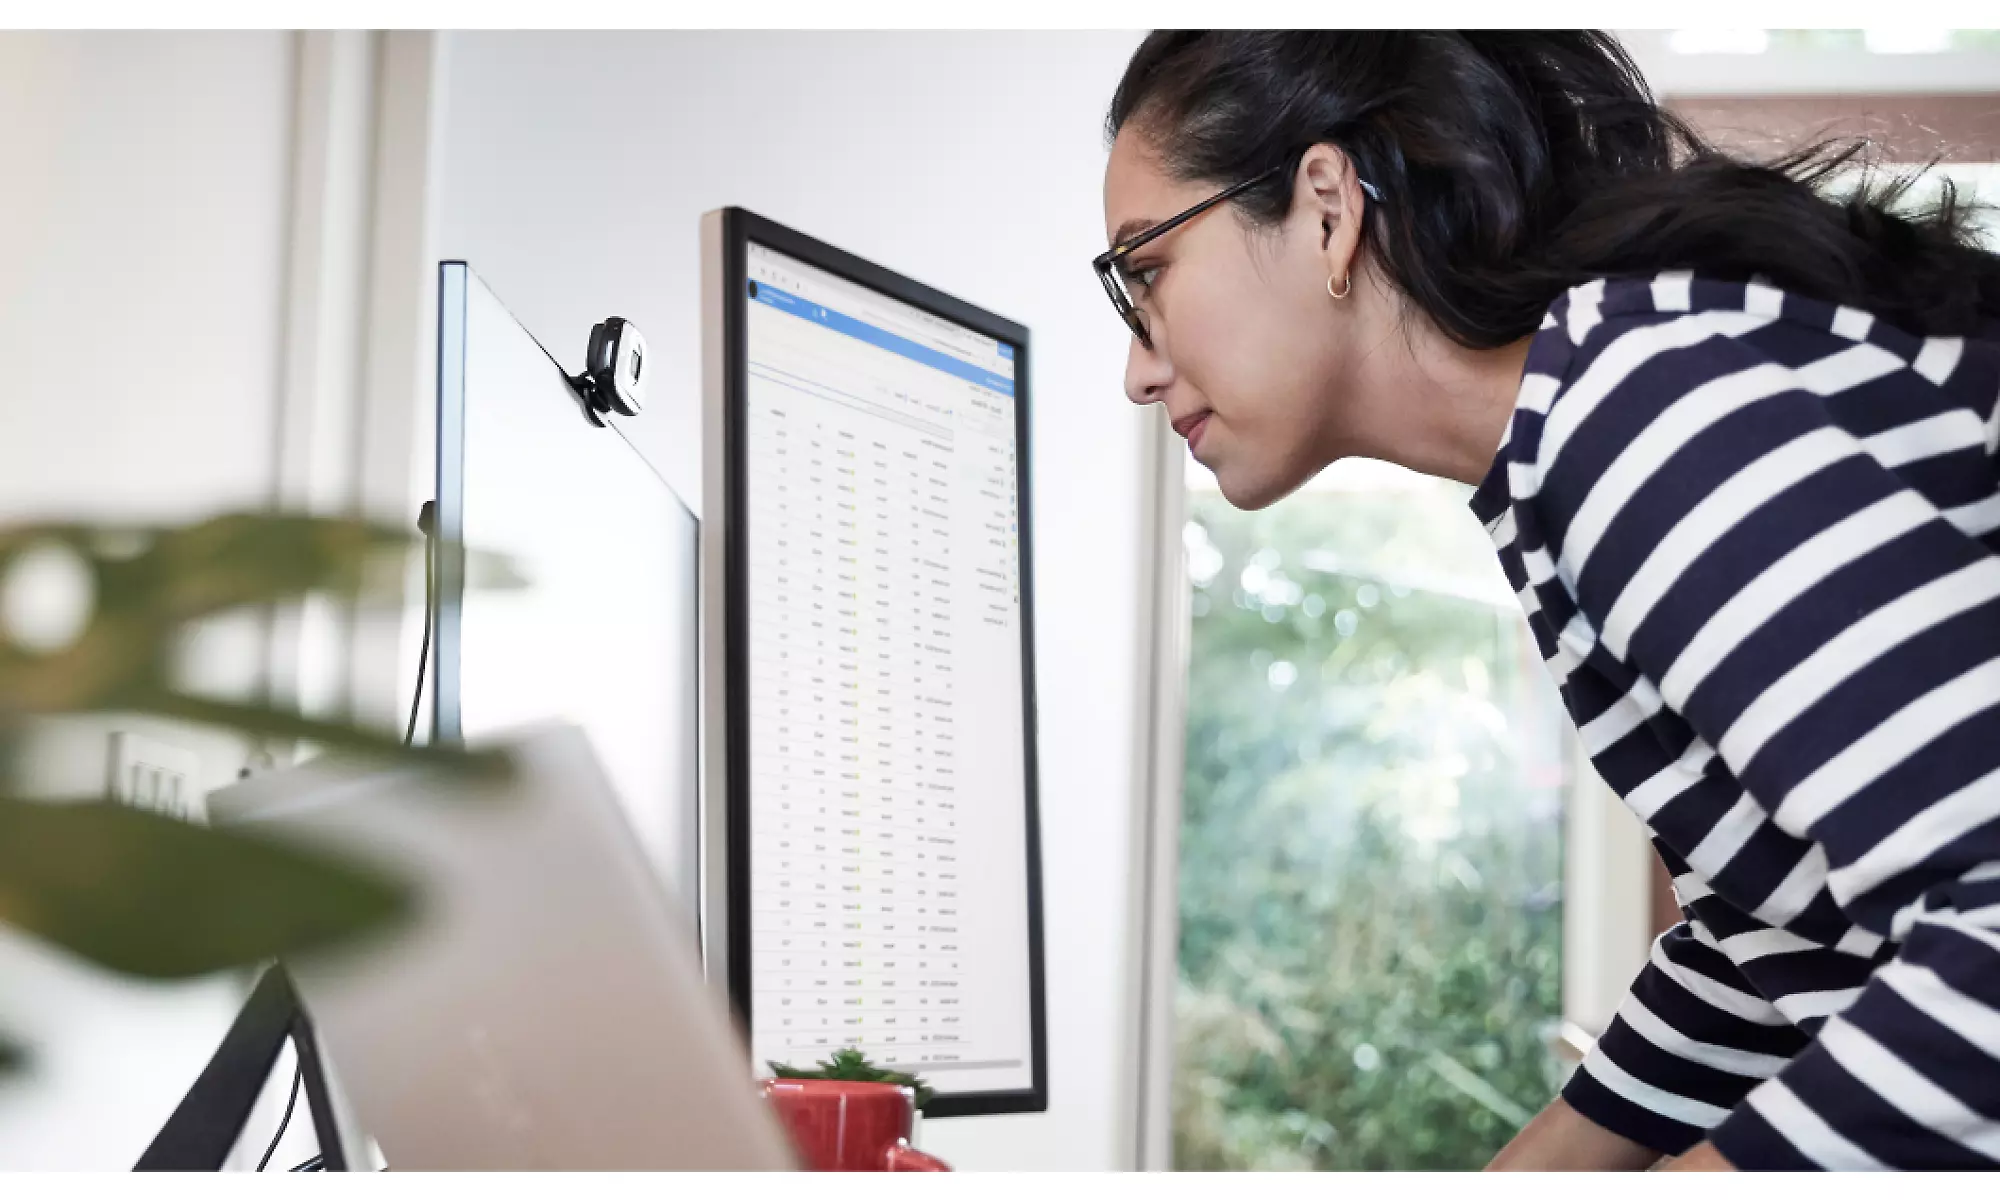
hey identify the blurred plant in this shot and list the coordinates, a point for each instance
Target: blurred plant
(853, 1064)
(135, 891)
(1370, 920)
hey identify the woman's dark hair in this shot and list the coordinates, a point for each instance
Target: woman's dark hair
(1516, 165)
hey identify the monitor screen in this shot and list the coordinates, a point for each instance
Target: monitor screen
(885, 697)
(603, 634)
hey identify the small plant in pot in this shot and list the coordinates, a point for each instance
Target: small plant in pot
(853, 1065)
(847, 1114)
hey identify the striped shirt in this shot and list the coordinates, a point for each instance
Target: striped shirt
(1757, 538)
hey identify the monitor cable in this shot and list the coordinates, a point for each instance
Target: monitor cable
(427, 524)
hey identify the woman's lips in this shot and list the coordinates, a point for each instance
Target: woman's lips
(1190, 427)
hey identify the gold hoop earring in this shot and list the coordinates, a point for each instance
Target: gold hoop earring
(1346, 286)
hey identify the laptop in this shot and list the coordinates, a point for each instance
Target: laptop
(546, 1009)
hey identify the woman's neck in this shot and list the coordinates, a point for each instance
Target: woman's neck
(1457, 403)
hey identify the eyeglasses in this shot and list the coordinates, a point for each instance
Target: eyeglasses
(1110, 265)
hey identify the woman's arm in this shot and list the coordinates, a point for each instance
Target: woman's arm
(1563, 1139)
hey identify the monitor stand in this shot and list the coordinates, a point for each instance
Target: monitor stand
(210, 1119)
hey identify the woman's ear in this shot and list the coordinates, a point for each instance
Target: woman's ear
(1328, 186)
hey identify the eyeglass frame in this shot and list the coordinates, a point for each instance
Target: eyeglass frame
(1107, 264)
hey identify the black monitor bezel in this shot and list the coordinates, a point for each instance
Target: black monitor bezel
(739, 229)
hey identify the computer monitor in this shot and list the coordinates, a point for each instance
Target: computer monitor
(541, 1008)
(604, 632)
(870, 841)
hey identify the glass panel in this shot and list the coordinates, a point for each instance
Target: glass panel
(1817, 39)
(1842, 41)
(1719, 41)
(1370, 863)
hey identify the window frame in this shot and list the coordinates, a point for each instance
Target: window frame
(1164, 637)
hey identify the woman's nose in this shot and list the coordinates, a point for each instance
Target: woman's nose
(1147, 374)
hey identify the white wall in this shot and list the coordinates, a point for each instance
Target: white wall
(575, 170)
(141, 269)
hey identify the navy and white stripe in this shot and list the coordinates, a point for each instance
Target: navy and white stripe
(1757, 538)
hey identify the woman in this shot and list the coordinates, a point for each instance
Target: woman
(1734, 441)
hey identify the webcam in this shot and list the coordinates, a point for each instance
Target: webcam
(613, 378)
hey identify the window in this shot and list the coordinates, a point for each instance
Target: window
(1870, 41)
(1370, 869)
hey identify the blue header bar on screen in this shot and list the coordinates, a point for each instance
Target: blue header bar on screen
(840, 322)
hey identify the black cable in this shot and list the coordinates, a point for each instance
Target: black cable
(424, 519)
(298, 1077)
(430, 603)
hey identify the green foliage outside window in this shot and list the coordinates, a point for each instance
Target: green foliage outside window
(1370, 858)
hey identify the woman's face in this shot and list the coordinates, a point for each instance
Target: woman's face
(1250, 354)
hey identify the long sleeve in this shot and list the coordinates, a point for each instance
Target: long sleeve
(1909, 1075)
(1685, 1047)
(1755, 541)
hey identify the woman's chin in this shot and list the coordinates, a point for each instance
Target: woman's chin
(1247, 490)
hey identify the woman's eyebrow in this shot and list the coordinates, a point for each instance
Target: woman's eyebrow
(1129, 229)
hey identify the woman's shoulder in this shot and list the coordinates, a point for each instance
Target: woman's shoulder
(1630, 375)
(1630, 372)
(1753, 315)
(1593, 313)
(1678, 330)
